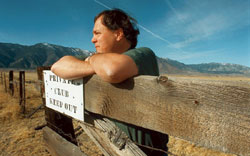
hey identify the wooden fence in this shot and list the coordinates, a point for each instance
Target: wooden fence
(212, 114)
(12, 85)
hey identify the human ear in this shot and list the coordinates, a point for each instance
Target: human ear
(119, 34)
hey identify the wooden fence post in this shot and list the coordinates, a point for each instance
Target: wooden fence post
(1, 78)
(5, 85)
(56, 121)
(22, 90)
(16, 84)
(40, 79)
(11, 87)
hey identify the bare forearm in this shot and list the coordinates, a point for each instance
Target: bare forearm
(112, 67)
(69, 67)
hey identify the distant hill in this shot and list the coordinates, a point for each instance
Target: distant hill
(45, 54)
(29, 57)
(169, 66)
(221, 68)
(174, 67)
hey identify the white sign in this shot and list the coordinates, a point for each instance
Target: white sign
(64, 96)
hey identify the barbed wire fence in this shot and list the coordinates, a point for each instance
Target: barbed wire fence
(15, 87)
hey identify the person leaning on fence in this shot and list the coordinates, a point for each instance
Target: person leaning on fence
(116, 59)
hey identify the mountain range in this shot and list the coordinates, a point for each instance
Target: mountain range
(44, 54)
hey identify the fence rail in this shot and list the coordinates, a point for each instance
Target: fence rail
(208, 113)
(213, 114)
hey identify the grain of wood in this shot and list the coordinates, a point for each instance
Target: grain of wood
(58, 145)
(102, 131)
(214, 114)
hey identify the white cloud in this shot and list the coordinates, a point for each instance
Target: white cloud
(201, 20)
(201, 29)
(179, 16)
(207, 26)
(186, 42)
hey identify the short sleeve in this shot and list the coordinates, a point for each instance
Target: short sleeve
(145, 60)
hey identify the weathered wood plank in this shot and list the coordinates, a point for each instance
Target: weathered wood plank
(213, 114)
(104, 134)
(59, 146)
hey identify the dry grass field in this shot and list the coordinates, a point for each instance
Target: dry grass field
(18, 136)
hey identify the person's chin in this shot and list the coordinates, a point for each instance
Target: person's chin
(100, 51)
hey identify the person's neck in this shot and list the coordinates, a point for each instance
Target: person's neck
(123, 46)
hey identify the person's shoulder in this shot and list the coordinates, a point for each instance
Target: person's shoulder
(145, 60)
(144, 50)
(140, 53)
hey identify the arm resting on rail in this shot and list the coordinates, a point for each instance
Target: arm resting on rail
(111, 67)
(69, 67)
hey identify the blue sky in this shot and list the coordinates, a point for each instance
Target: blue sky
(189, 31)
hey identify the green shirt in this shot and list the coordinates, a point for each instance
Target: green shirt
(146, 62)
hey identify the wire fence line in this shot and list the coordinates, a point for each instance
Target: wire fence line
(15, 86)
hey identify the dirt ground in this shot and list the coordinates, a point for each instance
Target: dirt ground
(18, 136)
